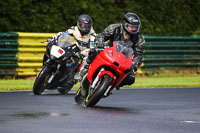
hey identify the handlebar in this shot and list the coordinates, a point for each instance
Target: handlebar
(48, 40)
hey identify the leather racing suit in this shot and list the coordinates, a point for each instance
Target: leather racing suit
(116, 32)
(74, 31)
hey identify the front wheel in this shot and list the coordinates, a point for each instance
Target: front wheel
(38, 86)
(65, 89)
(93, 98)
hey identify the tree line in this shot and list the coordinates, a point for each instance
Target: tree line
(158, 17)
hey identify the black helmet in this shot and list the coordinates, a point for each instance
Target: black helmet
(84, 23)
(132, 23)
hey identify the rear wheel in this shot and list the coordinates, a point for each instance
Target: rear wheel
(102, 86)
(38, 86)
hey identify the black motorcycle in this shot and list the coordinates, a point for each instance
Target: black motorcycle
(60, 66)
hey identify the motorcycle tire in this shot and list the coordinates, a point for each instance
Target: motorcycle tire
(38, 86)
(98, 94)
(65, 90)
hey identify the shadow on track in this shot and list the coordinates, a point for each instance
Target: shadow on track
(111, 110)
(55, 93)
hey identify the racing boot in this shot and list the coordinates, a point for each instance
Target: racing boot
(129, 80)
(81, 94)
(79, 98)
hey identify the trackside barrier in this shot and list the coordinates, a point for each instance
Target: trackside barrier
(21, 54)
(172, 51)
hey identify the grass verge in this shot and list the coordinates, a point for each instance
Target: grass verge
(141, 82)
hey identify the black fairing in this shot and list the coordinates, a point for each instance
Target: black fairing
(63, 68)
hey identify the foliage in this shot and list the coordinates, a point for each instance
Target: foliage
(166, 17)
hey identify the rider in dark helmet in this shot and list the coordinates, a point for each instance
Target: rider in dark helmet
(132, 23)
(129, 33)
(84, 24)
(83, 32)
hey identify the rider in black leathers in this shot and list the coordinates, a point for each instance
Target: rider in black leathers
(129, 33)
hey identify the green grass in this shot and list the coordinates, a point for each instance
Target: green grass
(165, 82)
(141, 82)
(6, 85)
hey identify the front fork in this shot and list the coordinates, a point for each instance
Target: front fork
(96, 79)
(100, 74)
(53, 78)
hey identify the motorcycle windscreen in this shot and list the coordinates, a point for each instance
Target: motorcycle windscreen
(65, 40)
(124, 48)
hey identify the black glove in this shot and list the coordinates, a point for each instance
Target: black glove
(99, 42)
(134, 67)
(79, 55)
(55, 37)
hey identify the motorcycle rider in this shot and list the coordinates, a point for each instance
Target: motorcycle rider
(83, 32)
(127, 32)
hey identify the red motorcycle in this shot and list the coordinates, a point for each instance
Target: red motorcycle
(106, 72)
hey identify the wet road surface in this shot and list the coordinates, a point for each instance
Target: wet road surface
(175, 110)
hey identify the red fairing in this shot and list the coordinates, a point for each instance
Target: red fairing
(109, 57)
(106, 72)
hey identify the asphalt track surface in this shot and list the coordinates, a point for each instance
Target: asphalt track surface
(168, 110)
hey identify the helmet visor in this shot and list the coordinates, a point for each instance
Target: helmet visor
(132, 28)
(82, 25)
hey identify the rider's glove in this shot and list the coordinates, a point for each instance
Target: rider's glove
(79, 55)
(99, 42)
(54, 37)
(57, 35)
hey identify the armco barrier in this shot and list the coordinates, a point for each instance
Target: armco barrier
(172, 51)
(21, 54)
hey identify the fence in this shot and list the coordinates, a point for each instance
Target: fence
(21, 54)
(172, 51)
